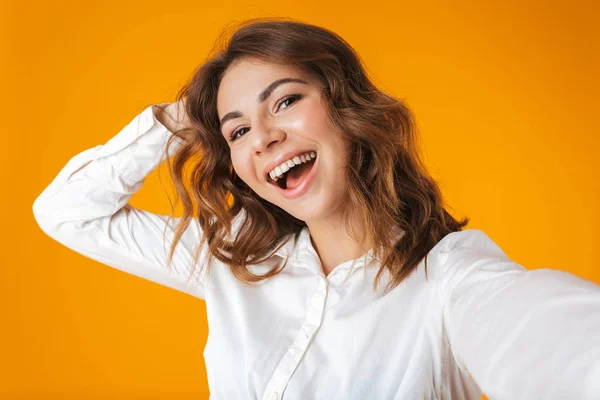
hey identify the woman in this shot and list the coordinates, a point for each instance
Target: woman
(302, 191)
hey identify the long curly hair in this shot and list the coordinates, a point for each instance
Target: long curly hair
(389, 188)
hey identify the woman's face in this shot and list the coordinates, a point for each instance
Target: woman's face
(271, 120)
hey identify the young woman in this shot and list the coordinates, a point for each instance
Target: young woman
(303, 192)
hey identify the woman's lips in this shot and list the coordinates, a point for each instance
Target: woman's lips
(303, 187)
(288, 156)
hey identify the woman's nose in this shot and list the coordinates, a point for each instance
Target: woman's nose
(265, 135)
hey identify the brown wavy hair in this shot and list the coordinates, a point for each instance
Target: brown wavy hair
(389, 187)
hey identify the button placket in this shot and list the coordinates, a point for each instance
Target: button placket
(291, 359)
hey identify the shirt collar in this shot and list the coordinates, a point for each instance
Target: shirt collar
(303, 254)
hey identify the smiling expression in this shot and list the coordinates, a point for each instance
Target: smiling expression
(269, 109)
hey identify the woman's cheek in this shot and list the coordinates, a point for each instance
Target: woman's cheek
(238, 168)
(244, 170)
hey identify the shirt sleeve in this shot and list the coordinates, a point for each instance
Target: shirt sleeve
(86, 209)
(521, 334)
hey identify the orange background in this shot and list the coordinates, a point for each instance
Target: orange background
(506, 99)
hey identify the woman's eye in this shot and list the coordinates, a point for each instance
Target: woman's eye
(233, 135)
(287, 101)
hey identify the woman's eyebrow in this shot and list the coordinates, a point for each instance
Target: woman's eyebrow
(264, 95)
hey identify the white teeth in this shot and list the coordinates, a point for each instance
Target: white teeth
(276, 173)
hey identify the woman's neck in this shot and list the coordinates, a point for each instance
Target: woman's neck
(334, 245)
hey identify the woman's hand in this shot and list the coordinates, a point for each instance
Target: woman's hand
(172, 115)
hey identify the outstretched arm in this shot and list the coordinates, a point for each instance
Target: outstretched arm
(521, 334)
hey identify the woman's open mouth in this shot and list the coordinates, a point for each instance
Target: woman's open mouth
(296, 181)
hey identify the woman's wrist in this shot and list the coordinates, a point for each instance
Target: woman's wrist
(171, 115)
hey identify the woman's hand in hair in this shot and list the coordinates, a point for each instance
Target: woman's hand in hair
(172, 115)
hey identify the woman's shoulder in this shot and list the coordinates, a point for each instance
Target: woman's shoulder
(467, 238)
(459, 250)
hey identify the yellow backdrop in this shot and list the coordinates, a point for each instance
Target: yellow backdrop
(506, 99)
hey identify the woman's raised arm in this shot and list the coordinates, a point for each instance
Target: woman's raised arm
(521, 334)
(86, 208)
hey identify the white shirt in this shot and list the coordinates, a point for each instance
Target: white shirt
(479, 322)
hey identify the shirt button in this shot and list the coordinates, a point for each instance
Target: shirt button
(274, 396)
